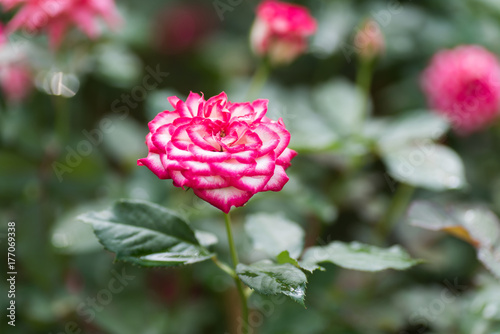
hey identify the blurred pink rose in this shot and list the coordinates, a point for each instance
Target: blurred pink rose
(226, 152)
(16, 82)
(182, 27)
(280, 31)
(3, 36)
(464, 85)
(56, 16)
(15, 78)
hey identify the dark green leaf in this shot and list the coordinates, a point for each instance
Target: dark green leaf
(284, 257)
(147, 234)
(270, 279)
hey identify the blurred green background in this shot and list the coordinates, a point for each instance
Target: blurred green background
(64, 275)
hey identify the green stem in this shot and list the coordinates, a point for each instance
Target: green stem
(224, 267)
(396, 208)
(258, 81)
(62, 119)
(239, 284)
(364, 81)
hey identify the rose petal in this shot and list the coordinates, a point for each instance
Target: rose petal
(207, 181)
(161, 137)
(260, 108)
(251, 183)
(163, 118)
(282, 132)
(264, 165)
(285, 158)
(180, 137)
(169, 164)
(208, 156)
(179, 180)
(215, 108)
(153, 162)
(231, 168)
(201, 136)
(173, 100)
(278, 181)
(249, 141)
(242, 112)
(196, 167)
(175, 153)
(270, 139)
(224, 198)
(151, 146)
(245, 156)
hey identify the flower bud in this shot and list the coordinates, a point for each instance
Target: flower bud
(369, 40)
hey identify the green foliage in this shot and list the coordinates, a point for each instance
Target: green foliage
(147, 234)
(473, 223)
(269, 278)
(341, 185)
(357, 256)
(273, 234)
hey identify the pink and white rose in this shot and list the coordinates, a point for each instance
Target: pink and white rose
(280, 31)
(226, 152)
(464, 85)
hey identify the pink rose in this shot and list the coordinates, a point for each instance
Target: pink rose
(464, 85)
(15, 77)
(15, 82)
(56, 16)
(280, 31)
(226, 152)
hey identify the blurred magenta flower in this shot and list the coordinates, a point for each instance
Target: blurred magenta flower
(226, 152)
(15, 77)
(16, 82)
(464, 85)
(57, 16)
(280, 31)
(182, 27)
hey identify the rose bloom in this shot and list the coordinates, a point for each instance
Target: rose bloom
(280, 31)
(464, 85)
(226, 152)
(15, 77)
(15, 81)
(56, 16)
